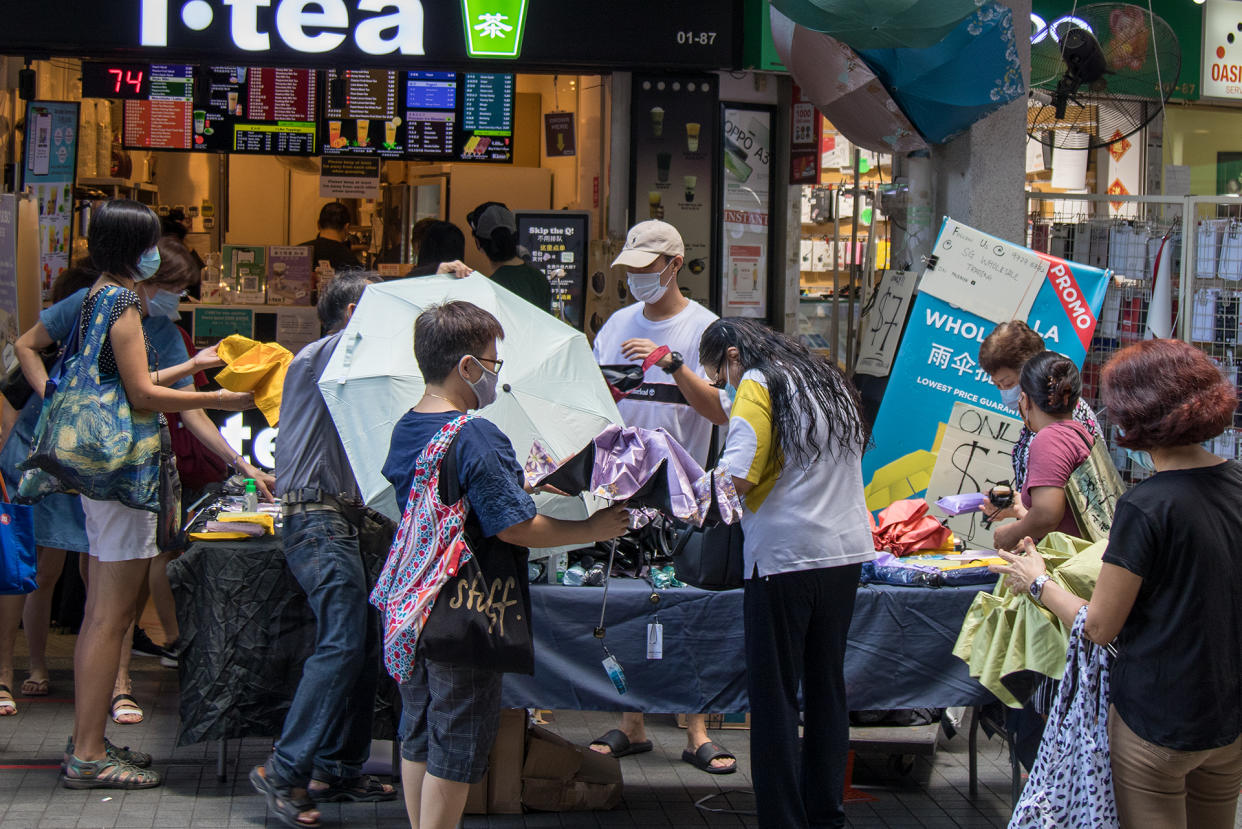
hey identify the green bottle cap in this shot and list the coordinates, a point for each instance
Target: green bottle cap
(250, 485)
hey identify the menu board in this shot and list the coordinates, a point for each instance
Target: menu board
(258, 110)
(164, 120)
(486, 117)
(431, 114)
(362, 115)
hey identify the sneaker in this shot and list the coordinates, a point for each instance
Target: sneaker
(143, 646)
(171, 657)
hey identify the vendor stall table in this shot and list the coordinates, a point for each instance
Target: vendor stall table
(247, 631)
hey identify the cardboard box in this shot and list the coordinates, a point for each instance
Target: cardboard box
(559, 776)
(504, 778)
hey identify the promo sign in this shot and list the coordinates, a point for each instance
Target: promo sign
(48, 168)
(937, 366)
(1222, 50)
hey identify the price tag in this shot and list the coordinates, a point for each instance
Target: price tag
(655, 640)
(613, 668)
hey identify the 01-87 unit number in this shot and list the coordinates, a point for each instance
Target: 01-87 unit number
(696, 38)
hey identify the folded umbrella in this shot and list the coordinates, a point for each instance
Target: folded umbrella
(844, 89)
(945, 88)
(550, 387)
(877, 24)
(905, 527)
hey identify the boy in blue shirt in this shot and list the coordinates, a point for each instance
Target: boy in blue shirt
(451, 712)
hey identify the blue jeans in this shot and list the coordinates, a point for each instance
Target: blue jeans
(327, 732)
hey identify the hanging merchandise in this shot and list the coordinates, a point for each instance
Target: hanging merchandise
(841, 86)
(946, 87)
(878, 24)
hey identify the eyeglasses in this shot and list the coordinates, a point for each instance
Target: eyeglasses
(496, 363)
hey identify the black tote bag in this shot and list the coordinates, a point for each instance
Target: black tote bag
(481, 616)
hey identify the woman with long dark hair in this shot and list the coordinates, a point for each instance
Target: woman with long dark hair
(796, 438)
(121, 538)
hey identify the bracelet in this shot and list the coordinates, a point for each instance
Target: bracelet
(219, 395)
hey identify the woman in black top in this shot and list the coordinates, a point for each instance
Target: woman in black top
(1169, 593)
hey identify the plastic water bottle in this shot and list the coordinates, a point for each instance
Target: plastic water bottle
(575, 575)
(252, 496)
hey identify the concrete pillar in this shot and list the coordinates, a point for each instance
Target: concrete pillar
(979, 178)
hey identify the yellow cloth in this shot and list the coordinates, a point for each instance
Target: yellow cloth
(261, 518)
(1007, 640)
(255, 367)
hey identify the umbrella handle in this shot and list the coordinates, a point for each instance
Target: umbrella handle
(603, 607)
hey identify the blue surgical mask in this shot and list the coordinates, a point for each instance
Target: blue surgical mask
(1139, 457)
(731, 391)
(1010, 396)
(164, 304)
(148, 264)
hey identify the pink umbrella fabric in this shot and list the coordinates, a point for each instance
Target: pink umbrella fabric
(844, 89)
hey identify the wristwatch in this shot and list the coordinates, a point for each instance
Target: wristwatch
(1037, 587)
(675, 362)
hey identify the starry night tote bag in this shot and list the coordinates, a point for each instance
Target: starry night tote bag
(89, 440)
(1071, 783)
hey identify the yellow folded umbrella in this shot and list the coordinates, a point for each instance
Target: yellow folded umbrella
(255, 367)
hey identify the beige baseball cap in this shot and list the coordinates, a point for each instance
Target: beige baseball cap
(646, 241)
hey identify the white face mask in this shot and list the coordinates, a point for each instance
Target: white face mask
(1010, 396)
(648, 287)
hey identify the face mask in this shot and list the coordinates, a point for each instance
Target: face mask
(164, 304)
(148, 264)
(1140, 457)
(1010, 396)
(731, 391)
(648, 287)
(485, 387)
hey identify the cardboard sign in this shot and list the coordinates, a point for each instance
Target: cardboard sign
(937, 365)
(883, 321)
(981, 274)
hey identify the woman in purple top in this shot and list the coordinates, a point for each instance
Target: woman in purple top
(1050, 390)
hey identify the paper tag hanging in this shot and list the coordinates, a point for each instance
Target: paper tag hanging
(613, 668)
(655, 640)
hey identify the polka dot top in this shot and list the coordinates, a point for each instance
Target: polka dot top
(107, 359)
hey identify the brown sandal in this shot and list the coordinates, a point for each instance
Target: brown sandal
(8, 706)
(108, 773)
(35, 687)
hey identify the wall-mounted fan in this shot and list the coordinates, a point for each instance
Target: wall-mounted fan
(1100, 74)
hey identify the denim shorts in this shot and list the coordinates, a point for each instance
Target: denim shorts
(449, 719)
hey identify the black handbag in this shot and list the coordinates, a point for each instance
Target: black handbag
(710, 557)
(168, 530)
(481, 616)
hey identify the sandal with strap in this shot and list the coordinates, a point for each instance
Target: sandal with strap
(618, 744)
(124, 705)
(8, 706)
(32, 687)
(280, 800)
(123, 753)
(108, 773)
(363, 789)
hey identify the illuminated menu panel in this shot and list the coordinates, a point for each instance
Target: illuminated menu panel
(431, 114)
(280, 94)
(171, 82)
(165, 120)
(280, 138)
(369, 94)
(486, 117)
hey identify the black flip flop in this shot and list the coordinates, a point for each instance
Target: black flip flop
(701, 758)
(619, 744)
(363, 789)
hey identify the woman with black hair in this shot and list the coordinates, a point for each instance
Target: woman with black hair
(121, 538)
(1050, 388)
(495, 233)
(794, 450)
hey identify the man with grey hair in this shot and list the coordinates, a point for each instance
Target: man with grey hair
(327, 732)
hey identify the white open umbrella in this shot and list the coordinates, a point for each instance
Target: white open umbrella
(550, 387)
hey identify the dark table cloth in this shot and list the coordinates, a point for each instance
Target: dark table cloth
(247, 631)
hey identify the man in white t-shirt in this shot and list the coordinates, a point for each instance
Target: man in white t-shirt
(675, 396)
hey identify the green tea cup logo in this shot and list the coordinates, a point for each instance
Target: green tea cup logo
(493, 27)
